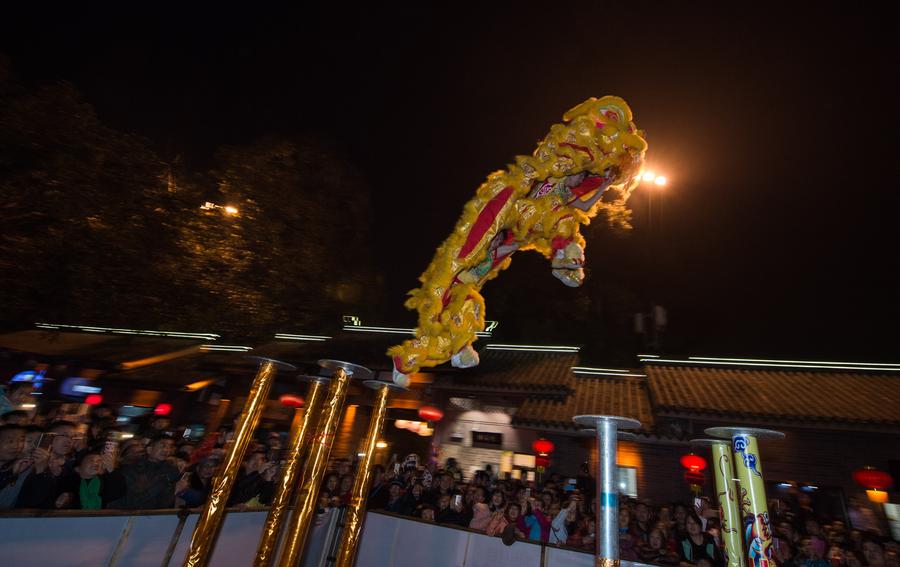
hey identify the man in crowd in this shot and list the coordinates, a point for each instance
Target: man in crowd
(41, 487)
(151, 481)
(255, 483)
(14, 465)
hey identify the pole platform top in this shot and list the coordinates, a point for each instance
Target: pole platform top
(377, 384)
(594, 420)
(353, 370)
(278, 364)
(730, 432)
(620, 435)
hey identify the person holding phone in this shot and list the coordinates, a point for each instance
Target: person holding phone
(450, 510)
(255, 481)
(199, 482)
(89, 486)
(51, 460)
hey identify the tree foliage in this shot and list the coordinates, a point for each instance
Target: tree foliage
(99, 229)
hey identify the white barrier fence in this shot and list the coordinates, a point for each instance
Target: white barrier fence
(155, 540)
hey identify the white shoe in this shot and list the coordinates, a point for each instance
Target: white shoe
(467, 357)
(401, 379)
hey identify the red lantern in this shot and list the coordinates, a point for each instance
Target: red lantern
(291, 400)
(430, 413)
(163, 409)
(543, 446)
(542, 462)
(693, 463)
(872, 478)
(93, 399)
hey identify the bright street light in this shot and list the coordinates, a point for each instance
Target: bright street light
(660, 180)
(229, 209)
(649, 176)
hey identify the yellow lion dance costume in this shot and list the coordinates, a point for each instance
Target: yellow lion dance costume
(538, 203)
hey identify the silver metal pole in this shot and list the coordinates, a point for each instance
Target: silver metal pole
(607, 491)
(607, 507)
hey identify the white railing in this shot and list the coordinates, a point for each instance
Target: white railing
(161, 538)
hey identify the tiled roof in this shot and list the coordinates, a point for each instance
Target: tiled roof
(625, 397)
(515, 371)
(803, 395)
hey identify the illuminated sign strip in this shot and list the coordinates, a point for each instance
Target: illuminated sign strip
(533, 348)
(226, 348)
(775, 365)
(595, 372)
(797, 362)
(394, 330)
(145, 332)
(588, 369)
(290, 337)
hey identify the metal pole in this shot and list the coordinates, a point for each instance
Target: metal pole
(207, 529)
(607, 494)
(314, 468)
(301, 434)
(356, 512)
(607, 506)
(749, 472)
(729, 512)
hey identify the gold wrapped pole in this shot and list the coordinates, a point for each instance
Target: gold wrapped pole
(729, 512)
(207, 529)
(316, 462)
(748, 467)
(356, 512)
(301, 433)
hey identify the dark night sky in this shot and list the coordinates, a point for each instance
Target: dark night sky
(775, 125)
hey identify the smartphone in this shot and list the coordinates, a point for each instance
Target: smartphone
(396, 468)
(457, 501)
(45, 440)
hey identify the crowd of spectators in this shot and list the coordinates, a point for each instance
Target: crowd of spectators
(59, 461)
(53, 461)
(561, 512)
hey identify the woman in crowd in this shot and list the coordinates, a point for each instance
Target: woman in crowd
(697, 544)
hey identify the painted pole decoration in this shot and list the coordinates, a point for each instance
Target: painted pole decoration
(607, 522)
(753, 491)
(317, 460)
(356, 511)
(538, 203)
(208, 525)
(729, 513)
(298, 444)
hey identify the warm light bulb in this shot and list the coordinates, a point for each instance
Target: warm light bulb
(231, 210)
(380, 445)
(660, 180)
(649, 176)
